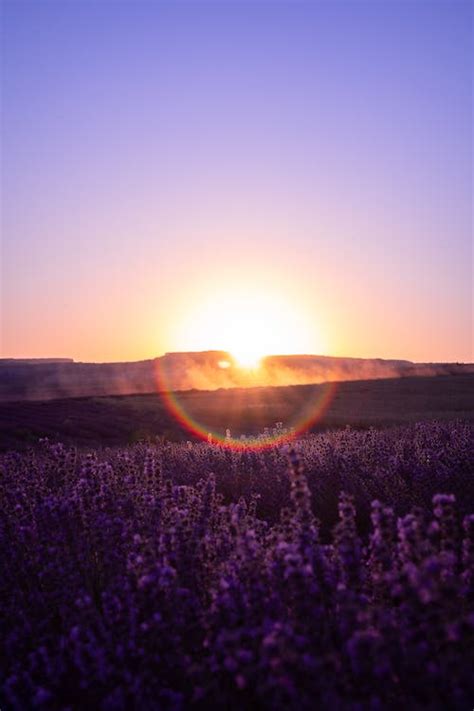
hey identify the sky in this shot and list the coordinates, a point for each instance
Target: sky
(170, 168)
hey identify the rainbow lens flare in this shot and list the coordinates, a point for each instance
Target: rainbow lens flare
(231, 403)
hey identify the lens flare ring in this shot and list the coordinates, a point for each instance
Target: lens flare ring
(310, 414)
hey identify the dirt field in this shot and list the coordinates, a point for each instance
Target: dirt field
(109, 421)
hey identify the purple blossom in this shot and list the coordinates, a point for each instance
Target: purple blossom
(166, 576)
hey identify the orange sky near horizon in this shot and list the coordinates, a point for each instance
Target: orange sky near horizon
(300, 316)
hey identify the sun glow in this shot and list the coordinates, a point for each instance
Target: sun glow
(248, 359)
(249, 326)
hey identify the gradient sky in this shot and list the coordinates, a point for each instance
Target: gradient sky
(156, 155)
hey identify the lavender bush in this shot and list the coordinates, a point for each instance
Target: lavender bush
(337, 574)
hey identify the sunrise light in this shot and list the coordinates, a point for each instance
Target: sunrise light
(249, 324)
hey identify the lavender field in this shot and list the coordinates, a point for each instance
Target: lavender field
(336, 572)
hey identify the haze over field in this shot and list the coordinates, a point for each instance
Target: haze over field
(38, 380)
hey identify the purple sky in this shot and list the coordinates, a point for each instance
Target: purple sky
(159, 156)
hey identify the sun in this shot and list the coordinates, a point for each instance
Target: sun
(248, 324)
(249, 339)
(251, 331)
(248, 358)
